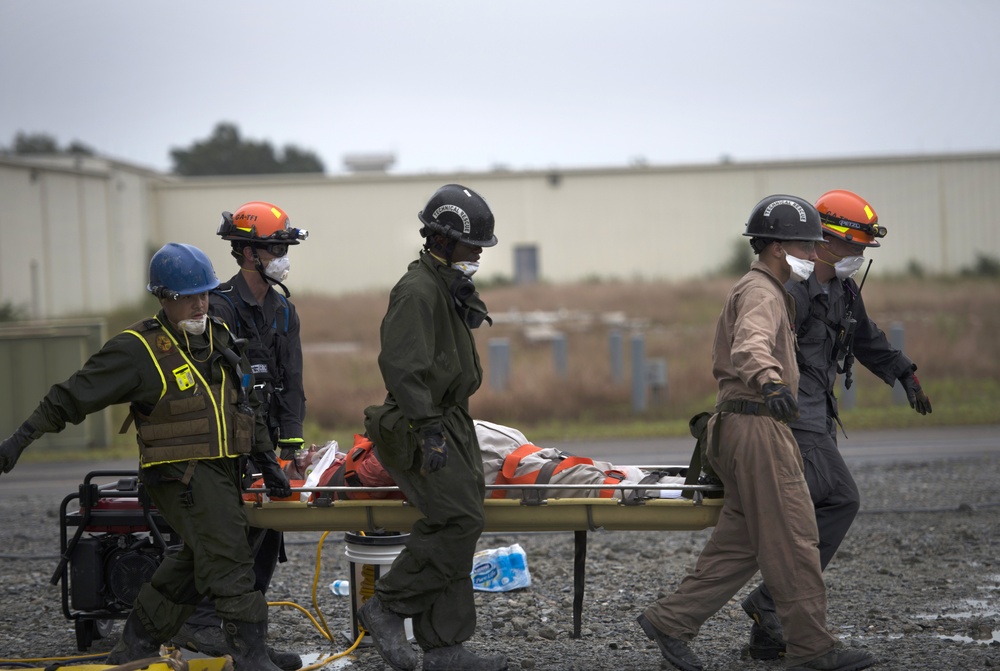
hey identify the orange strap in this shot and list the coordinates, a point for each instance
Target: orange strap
(507, 476)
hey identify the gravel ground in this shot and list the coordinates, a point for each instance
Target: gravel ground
(917, 582)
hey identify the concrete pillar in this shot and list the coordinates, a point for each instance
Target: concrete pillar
(560, 354)
(499, 354)
(617, 352)
(639, 401)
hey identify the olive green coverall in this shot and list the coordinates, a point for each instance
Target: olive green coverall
(207, 513)
(431, 367)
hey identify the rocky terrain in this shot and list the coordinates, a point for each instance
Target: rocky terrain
(917, 582)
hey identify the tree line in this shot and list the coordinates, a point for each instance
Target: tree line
(224, 152)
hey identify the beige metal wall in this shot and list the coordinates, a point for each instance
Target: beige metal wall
(88, 230)
(671, 223)
(73, 236)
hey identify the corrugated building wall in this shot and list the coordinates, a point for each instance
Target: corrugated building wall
(90, 229)
(74, 235)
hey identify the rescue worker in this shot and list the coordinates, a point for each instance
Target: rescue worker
(825, 304)
(767, 521)
(192, 401)
(425, 438)
(260, 234)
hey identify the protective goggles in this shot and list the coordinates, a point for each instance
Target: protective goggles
(274, 249)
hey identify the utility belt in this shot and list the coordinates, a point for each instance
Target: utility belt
(744, 408)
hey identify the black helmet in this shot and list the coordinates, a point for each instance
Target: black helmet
(781, 217)
(459, 213)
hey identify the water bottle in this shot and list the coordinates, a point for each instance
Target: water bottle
(500, 569)
(341, 587)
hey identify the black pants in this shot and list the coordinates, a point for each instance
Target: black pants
(832, 488)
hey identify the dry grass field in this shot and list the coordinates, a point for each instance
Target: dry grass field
(951, 330)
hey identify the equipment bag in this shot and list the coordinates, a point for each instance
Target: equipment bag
(699, 471)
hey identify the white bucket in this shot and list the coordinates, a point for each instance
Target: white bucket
(370, 557)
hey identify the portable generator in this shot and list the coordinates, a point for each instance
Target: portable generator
(118, 542)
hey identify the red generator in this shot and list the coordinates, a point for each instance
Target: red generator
(118, 540)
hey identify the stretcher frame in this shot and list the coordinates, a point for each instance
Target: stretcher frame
(530, 513)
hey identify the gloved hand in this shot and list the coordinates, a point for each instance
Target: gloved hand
(434, 448)
(288, 447)
(11, 449)
(274, 477)
(780, 401)
(919, 401)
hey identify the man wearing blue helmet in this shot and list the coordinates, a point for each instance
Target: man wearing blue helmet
(191, 398)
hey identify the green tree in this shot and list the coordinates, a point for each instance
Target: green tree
(225, 152)
(10, 312)
(35, 143)
(43, 143)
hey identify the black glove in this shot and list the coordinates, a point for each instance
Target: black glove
(919, 401)
(288, 447)
(780, 401)
(434, 448)
(274, 477)
(12, 448)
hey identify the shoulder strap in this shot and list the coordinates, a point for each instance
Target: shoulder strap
(284, 302)
(223, 291)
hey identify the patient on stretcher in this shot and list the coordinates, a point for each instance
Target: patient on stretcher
(509, 458)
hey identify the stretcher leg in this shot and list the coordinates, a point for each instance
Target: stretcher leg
(579, 579)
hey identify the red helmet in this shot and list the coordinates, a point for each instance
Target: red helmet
(259, 222)
(849, 217)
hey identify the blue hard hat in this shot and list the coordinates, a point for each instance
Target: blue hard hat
(180, 270)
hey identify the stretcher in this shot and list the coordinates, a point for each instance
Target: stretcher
(534, 511)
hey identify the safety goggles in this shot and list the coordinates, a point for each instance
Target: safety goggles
(274, 249)
(804, 246)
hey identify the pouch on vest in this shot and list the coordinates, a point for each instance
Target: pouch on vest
(699, 472)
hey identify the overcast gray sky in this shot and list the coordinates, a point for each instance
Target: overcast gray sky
(475, 84)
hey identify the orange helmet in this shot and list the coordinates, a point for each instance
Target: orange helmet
(849, 216)
(259, 222)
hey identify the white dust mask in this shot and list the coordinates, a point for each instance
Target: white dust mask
(848, 266)
(467, 267)
(801, 269)
(194, 326)
(277, 268)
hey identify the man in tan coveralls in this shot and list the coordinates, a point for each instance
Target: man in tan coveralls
(767, 521)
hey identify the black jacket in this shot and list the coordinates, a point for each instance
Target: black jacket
(817, 316)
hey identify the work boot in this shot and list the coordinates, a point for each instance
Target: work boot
(135, 643)
(286, 661)
(762, 646)
(386, 630)
(247, 642)
(761, 610)
(206, 639)
(838, 659)
(674, 650)
(209, 640)
(457, 658)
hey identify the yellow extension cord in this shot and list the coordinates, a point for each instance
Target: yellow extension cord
(213, 664)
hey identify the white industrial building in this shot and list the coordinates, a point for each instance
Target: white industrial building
(76, 234)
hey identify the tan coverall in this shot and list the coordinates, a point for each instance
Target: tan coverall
(767, 521)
